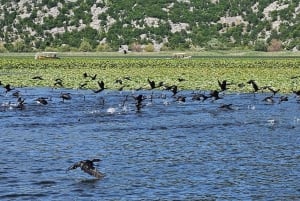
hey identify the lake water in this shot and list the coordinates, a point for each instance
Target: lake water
(169, 150)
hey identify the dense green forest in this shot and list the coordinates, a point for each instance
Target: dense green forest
(104, 25)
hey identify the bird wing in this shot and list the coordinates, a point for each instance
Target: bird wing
(92, 171)
(96, 160)
(74, 166)
(101, 84)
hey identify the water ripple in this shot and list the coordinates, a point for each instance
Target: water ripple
(175, 151)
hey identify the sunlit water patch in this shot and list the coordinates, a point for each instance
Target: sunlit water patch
(166, 150)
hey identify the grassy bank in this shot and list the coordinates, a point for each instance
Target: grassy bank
(198, 73)
(167, 54)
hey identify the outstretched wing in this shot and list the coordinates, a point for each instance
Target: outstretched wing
(96, 160)
(74, 166)
(92, 171)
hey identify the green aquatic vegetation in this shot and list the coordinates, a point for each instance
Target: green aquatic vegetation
(197, 74)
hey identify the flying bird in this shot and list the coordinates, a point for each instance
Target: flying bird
(58, 82)
(151, 83)
(101, 86)
(37, 78)
(223, 85)
(8, 88)
(88, 167)
(254, 85)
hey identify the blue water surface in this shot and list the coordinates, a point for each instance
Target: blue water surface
(169, 150)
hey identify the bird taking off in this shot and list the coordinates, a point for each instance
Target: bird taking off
(88, 167)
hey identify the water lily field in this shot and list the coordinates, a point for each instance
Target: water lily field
(192, 74)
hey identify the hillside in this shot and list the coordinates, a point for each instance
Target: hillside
(87, 25)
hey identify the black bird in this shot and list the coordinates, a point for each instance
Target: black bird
(16, 94)
(199, 97)
(181, 79)
(297, 92)
(21, 103)
(223, 85)
(93, 77)
(81, 86)
(42, 101)
(282, 99)
(139, 99)
(101, 86)
(65, 96)
(273, 90)
(174, 89)
(254, 85)
(88, 167)
(269, 99)
(119, 81)
(215, 95)
(151, 83)
(181, 99)
(8, 88)
(37, 78)
(58, 82)
(85, 75)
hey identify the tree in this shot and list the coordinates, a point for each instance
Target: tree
(19, 46)
(260, 45)
(85, 46)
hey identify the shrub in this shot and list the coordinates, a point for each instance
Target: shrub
(149, 48)
(65, 48)
(85, 46)
(275, 45)
(260, 45)
(104, 48)
(2, 48)
(135, 47)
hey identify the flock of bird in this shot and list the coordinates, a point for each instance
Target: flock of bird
(213, 95)
(223, 85)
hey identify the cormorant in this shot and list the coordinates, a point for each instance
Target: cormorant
(180, 99)
(269, 99)
(42, 101)
(65, 96)
(223, 85)
(273, 91)
(282, 99)
(151, 83)
(8, 88)
(215, 95)
(58, 81)
(254, 85)
(88, 167)
(139, 99)
(37, 78)
(101, 86)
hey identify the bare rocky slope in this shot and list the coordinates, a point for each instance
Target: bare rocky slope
(28, 25)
